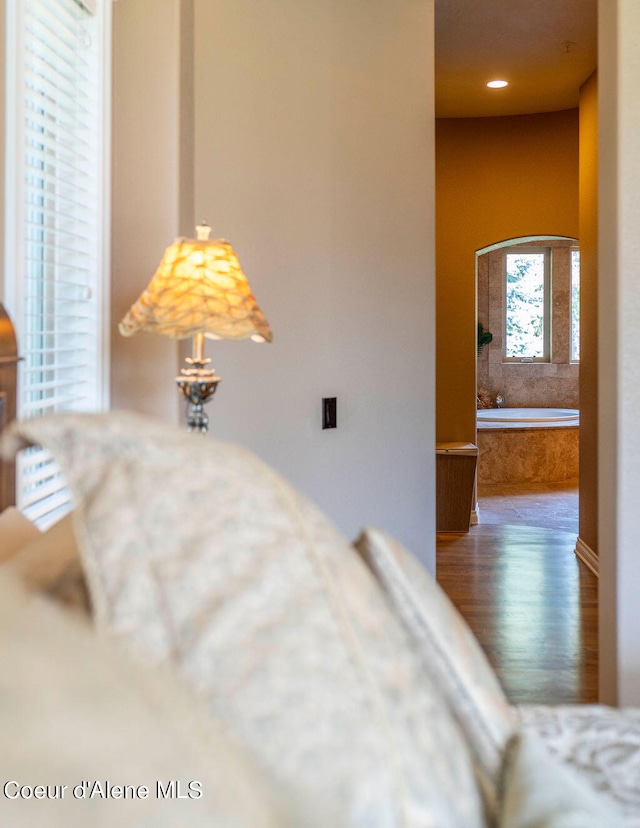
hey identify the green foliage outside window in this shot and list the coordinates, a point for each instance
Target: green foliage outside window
(525, 305)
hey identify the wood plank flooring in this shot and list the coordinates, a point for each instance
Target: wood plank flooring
(532, 605)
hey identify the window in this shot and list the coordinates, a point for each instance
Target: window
(527, 289)
(57, 52)
(575, 305)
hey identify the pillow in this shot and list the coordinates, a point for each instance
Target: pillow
(199, 555)
(15, 532)
(75, 711)
(601, 743)
(51, 564)
(449, 652)
(539, 792)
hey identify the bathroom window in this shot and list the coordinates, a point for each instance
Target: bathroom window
(527, 290)
(575, 305)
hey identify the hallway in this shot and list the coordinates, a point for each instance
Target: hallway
(532, 605)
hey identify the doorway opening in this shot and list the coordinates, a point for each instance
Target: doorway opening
(528, 296)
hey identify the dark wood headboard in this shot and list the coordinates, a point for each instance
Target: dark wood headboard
(8, 387)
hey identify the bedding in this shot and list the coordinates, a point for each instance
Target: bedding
(540, 792)
(323, 686)
(601, 743)
(449, 652)
(200, 556)
(75, 709)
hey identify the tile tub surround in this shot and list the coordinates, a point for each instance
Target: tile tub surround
(528, 455)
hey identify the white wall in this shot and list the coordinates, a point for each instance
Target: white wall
(314, 156)
(619, 351)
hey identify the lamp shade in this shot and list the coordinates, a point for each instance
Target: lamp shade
(199, 287)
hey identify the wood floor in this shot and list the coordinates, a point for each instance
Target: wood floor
(531, 604)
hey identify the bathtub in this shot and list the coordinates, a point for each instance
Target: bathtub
(527, 417)
(528, 445)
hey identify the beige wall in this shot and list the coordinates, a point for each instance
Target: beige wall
(314, 156)
(145, 192)
(589, 313)
(619, 349)
(496, 179)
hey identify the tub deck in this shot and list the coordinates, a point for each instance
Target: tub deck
(529, 446)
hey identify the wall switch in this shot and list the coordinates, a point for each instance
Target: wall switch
(329, 416)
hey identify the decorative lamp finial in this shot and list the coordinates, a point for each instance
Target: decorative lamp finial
(203, 231)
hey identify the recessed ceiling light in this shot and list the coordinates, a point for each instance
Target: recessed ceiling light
(497, 84)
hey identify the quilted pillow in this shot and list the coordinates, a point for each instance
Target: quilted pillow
(200, 555)
(539, 792)
(449, 652)
(76, 709)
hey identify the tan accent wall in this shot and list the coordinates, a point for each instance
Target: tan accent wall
(496, 179)
(589, 313)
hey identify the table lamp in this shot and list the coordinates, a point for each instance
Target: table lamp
(198, 290)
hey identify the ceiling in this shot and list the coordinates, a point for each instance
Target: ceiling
(545, 48)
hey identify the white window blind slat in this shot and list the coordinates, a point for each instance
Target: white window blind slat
(56, 15)
(57, 321)
(36, 388)
(41, 469)
(46, 200)
(60, 74)
(44, 116)
(66, 168)
(63, 101)
(44, 499)
(46, 487)
(54, 366)
(45, 511)
(66, 283)
(49, 405)
(42, 351)
(48, 339)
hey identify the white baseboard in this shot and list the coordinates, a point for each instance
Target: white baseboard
(587, 556)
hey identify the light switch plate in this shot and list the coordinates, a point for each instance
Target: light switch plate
(329, 412)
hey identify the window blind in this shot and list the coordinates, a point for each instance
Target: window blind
(59, 102)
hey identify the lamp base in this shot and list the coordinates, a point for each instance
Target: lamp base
(198, 383)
